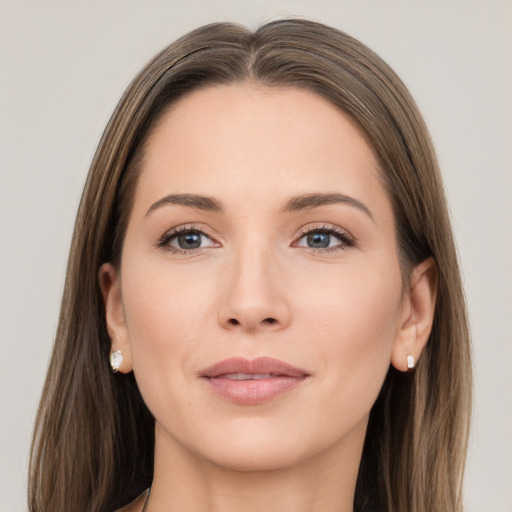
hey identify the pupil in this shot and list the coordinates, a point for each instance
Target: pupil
(318, 240)
(189, 240)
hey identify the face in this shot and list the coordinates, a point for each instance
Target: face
(259, 300)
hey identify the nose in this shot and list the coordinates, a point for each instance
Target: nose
(254, 294)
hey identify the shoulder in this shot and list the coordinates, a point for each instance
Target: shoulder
(136, 505)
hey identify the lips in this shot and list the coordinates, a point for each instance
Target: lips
(252, 382)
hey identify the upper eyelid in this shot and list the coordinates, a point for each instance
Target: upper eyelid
(325, 226)
(188, 227)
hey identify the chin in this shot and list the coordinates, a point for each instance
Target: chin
(259, 449)
(256, 458)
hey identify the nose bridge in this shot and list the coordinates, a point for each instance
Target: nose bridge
(254, 297)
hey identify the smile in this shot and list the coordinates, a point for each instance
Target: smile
(252, 382)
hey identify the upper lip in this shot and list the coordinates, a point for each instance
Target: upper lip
(260, 365)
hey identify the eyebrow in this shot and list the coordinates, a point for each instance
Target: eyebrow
(205, 203)
(294, 204)
(308, 201)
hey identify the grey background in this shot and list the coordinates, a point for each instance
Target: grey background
(63, 67)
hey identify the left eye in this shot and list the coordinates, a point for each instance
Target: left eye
(189, 240)
(323, 239)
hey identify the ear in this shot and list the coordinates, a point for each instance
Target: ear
(114, 314)
(416, 315)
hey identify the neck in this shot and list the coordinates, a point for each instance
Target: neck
(324, 482)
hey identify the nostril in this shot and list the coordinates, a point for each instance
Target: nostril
(234, 321)
(270, 320)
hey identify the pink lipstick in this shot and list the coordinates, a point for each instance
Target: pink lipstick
(252, 382)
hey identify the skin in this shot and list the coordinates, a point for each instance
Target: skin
(257, 288)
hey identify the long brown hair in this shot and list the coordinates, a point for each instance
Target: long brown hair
(94, 437)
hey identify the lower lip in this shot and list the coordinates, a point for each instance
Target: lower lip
(255, 391)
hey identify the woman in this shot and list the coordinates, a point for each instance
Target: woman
(263, 255)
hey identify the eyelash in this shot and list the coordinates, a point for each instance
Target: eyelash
(345, 239)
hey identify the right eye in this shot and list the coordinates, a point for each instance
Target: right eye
(188, 240)
(185, 240)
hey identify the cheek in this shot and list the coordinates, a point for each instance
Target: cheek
(354, 318)
(166, 315)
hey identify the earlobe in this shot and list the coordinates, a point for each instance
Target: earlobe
(417, 316)
(115, 320)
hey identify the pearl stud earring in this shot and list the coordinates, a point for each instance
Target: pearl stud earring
(411, 363)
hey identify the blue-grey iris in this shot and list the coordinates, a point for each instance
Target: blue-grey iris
(319, 240)
(190, 240)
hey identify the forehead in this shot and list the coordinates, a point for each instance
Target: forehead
(255, 142)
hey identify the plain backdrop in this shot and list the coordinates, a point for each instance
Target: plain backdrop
(65, 64)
